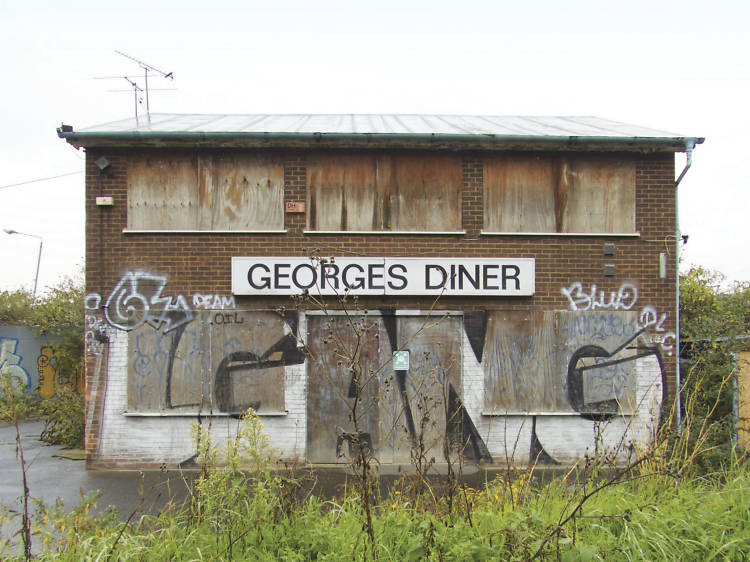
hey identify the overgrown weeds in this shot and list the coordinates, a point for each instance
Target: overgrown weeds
(241, 507)
(62, 415)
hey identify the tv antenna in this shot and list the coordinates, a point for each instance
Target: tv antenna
(136, 88)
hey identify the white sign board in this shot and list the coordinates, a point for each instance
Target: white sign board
(383, 276)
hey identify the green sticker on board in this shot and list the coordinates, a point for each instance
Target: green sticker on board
(400, 360)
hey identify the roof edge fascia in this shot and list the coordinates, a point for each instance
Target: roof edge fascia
(202, 139)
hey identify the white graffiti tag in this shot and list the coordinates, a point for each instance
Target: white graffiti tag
(650, 317)
(137, 299)
(213, 302)
(624, 299)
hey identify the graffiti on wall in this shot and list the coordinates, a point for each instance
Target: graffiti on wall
(625, 298)
(589, 360)
(213, 302)
(402, 411)
(210, 356)
(581, 299)
(581, 364)
(97, 331)
(138, 299)
(10, 366)
(222, 362)
(47, 371)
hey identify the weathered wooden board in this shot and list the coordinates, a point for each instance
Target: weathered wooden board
(338, 350)
(396, 408)
(246, 364)
(534, 359)
(592, 338)
(434, 345)
(241, 192)
(519, 194)
(602, 196)
(546, 194)
(343, 194)
(221, 361)
(166, 370)
(743, 399)
(384, 192)
(521, 363)
(163, 193)
(427, 193)
(232, 192)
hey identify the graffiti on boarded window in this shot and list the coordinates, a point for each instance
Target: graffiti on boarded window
(223, 361)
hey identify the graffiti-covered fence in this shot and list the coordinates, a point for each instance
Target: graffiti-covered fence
(29, 360)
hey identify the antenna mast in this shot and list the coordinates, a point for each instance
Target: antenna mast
(146, 69)
(136, 89)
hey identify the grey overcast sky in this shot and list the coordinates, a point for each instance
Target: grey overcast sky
(676, 66)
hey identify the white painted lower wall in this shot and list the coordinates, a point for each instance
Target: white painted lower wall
(129, 439)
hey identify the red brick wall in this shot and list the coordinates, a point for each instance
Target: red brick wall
(201, 262)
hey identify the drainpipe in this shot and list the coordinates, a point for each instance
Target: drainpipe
(689, 146)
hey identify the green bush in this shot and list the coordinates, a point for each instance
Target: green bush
(714, 320)
(63, 418)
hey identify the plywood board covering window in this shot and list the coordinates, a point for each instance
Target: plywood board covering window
(221, 362)
(206, 192)
(561, 362)
(539, 193)
(368, 192)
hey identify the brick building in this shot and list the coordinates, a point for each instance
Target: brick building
(507, 284)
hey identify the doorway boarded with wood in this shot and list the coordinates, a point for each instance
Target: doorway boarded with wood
(355, 395)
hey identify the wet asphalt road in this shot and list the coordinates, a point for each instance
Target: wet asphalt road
(51, 477)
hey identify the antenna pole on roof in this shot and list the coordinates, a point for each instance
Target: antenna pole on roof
(146, 69)
(136, 89)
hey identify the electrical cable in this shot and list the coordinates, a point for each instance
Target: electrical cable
(41, 179)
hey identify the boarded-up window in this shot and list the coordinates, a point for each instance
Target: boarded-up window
(222, 361)
(544, 194)
(227, 192)
(383, 192)
(553, 362)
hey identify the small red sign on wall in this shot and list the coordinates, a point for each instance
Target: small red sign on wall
(295, 206)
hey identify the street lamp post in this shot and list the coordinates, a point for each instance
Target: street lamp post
(38, 260)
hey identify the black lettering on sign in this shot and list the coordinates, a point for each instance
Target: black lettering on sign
(333, 276)
(464, 273)
(359, 280)
(514, 276)
(278, 275)
(264, 281)
(429, 268)
(393, 275)
(373, 275)
(486, 276)
(296, 276)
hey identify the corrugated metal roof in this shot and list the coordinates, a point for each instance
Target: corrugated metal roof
(387, 124)
(452, 132)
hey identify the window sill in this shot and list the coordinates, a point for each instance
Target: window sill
(564, 234)
(168, 231)
(548, 414)
(398, 232)
(195, 413)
